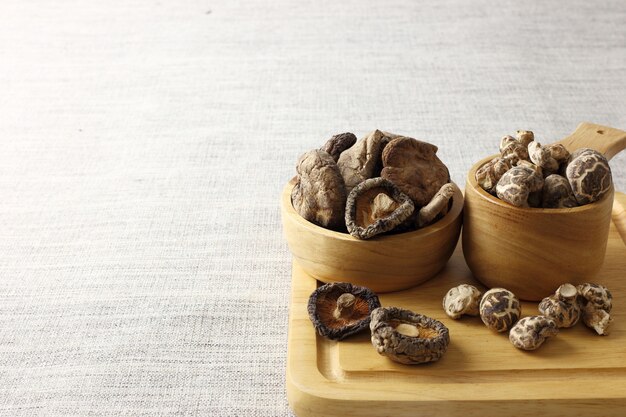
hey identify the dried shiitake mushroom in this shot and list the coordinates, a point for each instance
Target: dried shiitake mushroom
(499, 309)
(542, 157)
(515, 152)
(438, 205)
(517, 184)
(319, 194)
(376, 206)
(589, 174)
(407, 337)
(562, 307)
(460, 300)
(489, 174)
(558, 152)
(339, 143)
(414, 167)
(362, 161)
(338, 310)
(557, 193)
(525, 137)
(530, 332)
(596, 303)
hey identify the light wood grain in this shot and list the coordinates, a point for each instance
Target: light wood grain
(532, 251)
(383, 263)
(576, 373)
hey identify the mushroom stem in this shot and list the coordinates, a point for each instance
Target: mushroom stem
(567, 293)
(345, 306)
(436, 205)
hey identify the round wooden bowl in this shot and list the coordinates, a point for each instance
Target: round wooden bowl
(383, 263)
(532, 251)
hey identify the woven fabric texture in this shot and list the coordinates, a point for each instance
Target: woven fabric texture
(144, 145)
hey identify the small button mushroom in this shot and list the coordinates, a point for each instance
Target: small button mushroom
(542, 157)
(339, 143)
(515, 152)
(596, 301)
(338, 310)
(460, 300)
(376, 206)
(362, 160)
(499, 309)
(562, 307)
(525, 137)
(518, 183)
(488, 175)
(438, 205)
(319, 195)
(557, 193)
(407, 337)
(530, 332)
(589, 174)
(414, 167)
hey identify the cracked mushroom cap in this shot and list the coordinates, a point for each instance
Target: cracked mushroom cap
(530, 332)
(596, 302)
(515, 152)
(542, 157)
(557, 193)
(488, 175)
(319, 195)
(339, 143)
(362, 160)
(414, 167)
(589, 174)
(517, 184)
(376, 206)
(338, 310)
(562, 306)
(499, 309)
(460, 300)
(407, 337)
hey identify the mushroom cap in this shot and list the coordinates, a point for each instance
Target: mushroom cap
(530, 332)
(516, 185)
(597, 295)
(323, 304)
(558, 152)
(505, 141)
(589, 174)
(542, 157)
(437, 206)
(362, 160)
(414, 167)
(488, 175)
(515, 152)
(557, 193)
(525, 137)
(562, 307)
(319, 195)
(376, 206)
(460, 300)
(499, 309)
(339, 143)
(407, 337)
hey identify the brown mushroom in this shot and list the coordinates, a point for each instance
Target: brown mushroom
(558, 152)
(489, 174)
(515, 152)
(319, 194)
(460, 300)
(407, 337)
(339, 143)
(596, 302)
(562, 307)
(376, 206)
(437, 206)
(499, 309)
(415, 168)
(530, 332)
(589, 174)
(518, 183)
(338, 310)
(542, 157)
(524, 137)
(362, 161)
(557, 193)
(505, 141)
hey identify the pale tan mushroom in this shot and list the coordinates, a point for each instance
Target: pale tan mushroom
(542, 157)
(530, 332)
(488, 175)
(438, 205)
(524, 137)
(462, 300)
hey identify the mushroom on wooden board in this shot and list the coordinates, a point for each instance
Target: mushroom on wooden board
(499, 309)
(530, 332)
(460, 300)
(562, 306)
(596, 303)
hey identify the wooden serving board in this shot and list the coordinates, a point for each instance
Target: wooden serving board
(482, 374)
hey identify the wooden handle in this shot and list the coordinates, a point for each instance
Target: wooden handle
(603, 139)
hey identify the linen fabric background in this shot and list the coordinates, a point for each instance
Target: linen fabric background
(144, 145)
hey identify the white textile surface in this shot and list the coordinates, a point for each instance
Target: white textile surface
(144, 144)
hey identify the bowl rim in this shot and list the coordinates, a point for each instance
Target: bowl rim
(452, 214)
(471, 182)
